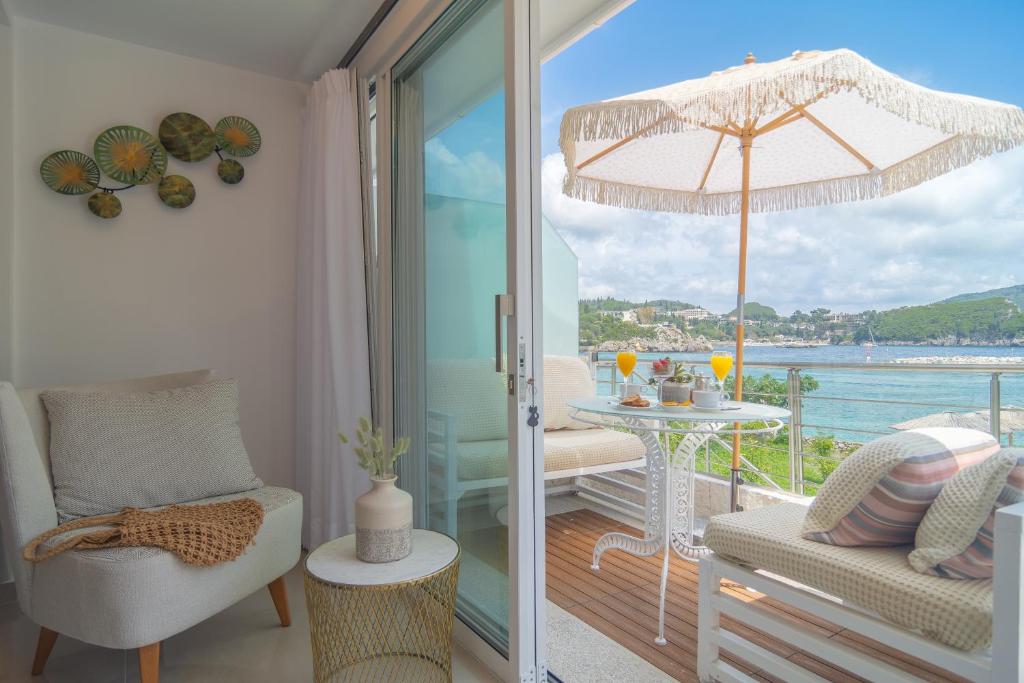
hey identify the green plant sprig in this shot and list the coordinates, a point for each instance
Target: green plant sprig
(372, 453)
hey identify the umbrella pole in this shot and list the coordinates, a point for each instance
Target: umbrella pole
(746, 141)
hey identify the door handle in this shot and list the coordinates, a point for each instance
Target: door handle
(502, 307)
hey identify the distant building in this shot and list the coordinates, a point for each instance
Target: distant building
(693, 314)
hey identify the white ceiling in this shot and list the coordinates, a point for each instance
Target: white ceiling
(294, 39)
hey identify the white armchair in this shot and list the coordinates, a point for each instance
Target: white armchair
(124, 598)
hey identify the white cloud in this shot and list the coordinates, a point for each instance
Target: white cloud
(961, 232)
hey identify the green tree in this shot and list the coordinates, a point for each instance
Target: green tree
(769, 390)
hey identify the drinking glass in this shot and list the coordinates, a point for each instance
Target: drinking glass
(721, 364)
(626, 360)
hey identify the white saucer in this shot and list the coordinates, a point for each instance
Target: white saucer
(705, 410)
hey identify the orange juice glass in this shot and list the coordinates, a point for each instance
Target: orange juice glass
(721, 364)
(626, 360)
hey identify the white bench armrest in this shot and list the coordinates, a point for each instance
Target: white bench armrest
(1008, 594)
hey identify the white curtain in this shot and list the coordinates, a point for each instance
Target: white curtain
(333, 350)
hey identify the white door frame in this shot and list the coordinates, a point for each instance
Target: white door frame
(396, 35)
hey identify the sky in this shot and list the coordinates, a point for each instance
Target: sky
(959, 233)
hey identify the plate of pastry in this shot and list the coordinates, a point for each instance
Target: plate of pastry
(634, 401)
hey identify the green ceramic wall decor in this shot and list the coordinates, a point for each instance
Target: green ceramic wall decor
(237, 136)
(230, 171)
(187, 137)
(105, 205)
(176, 191)
(132, 156)
(70, 172)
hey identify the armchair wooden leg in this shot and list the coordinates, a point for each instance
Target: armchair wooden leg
(279, 594)
(43, 648)
(149, 663)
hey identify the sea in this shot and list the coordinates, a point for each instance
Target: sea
(859, 404)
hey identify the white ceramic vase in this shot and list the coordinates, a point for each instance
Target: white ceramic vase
(383, 522)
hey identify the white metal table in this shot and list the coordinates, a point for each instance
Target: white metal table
(668, 518)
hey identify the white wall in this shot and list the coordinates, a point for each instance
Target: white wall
(6, 199)
(6, 219)
(157, 289)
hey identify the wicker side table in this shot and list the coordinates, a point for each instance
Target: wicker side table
(386, 622)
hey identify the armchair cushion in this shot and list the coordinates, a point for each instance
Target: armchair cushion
(143, 449)
(129, 597)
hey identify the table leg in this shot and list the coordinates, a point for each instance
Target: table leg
(666, 555)
(655, 522)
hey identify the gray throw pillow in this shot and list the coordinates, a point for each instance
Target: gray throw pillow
(114, 450)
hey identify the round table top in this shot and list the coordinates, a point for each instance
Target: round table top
(336, 561)
(735, 411)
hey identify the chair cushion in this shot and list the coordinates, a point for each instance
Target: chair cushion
(472, 393)
(128, 597)
(565, 378)
(880, 493)
(563, 450)
(571, 449)
(142, 449)
(956, 536)
(955, 613)
(36, 410)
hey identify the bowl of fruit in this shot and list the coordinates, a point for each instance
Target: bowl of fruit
(662, 367)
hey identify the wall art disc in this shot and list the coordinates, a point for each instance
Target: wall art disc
(70, 172)
(237, 136)
(176, 191)
(105, 205)
(187, 137)
(230, 171)
(130, 155)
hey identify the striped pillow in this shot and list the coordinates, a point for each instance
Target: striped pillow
(956, 537)
(878, 495)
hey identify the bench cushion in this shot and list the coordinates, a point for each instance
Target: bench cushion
(878, 495)
(880, 580)
(956, 538)
(563, 450)
(565, 378)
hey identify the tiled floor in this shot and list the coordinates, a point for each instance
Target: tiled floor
(243, 643)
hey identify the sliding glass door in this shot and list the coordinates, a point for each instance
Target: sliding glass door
(450, 286)
(453, 243)
(462, 355)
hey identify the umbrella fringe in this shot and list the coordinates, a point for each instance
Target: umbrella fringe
(952, 154)
(803, 81)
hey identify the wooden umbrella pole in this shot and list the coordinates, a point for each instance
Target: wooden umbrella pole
(746, 141)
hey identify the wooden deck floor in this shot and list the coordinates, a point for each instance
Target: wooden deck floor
(621, 601)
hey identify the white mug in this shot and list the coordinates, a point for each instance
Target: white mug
(706, 399)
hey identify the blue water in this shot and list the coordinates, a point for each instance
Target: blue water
(850, 421)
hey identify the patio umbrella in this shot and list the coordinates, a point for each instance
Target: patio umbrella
(1011, 419)
(815, 128)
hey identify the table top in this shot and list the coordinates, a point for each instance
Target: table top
(336, 561)
(736, 411)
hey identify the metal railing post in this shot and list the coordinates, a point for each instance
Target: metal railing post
(994, 406)
(796, 441)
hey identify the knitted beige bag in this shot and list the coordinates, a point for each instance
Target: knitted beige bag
(201, 535)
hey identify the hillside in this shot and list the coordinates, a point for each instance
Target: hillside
(981, 320)
(1014, 294)
(755, 311)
